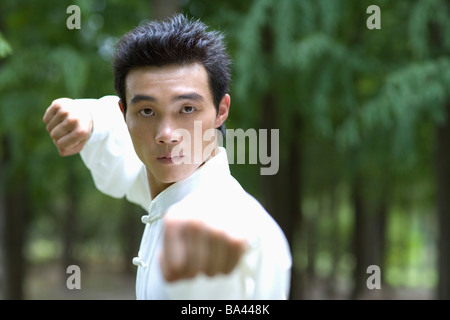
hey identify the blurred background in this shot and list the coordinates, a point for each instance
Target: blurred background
(363, 118)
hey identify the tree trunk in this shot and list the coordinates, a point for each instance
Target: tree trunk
(2, 237)
(14, 214)
(15, 225)
(69, 223)
(281, 192)
(442, 163)
(380, 236)
(359, 239)
(293, 188)
(269, 183)
(311, 235)
(335, 239)
(443, 205)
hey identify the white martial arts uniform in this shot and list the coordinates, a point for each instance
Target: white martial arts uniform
(210, 194)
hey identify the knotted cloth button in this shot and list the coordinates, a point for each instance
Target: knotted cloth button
(136, 261)
(145, 219)
(139, 262)
(148, 219)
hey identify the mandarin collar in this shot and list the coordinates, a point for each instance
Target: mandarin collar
(210, 171)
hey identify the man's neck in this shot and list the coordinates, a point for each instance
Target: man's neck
(156, 187)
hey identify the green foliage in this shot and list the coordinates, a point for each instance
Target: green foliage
(5, 48)
(50, 61)
(413, 93)
(369, 101)
(427, 17)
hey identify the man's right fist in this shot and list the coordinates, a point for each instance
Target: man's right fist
(69, 125)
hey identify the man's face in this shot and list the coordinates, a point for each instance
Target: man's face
(164, 105)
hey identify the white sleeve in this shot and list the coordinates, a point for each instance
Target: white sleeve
(258, 276)
(263, 272)
(109, 154)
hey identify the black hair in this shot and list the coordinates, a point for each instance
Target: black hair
(177, 40)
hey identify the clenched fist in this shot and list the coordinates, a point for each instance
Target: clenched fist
(191, 247)
(69, 125)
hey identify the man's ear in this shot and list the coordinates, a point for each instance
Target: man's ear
(224, 108)
(122, 108)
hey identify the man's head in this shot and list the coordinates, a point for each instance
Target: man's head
(178, 41)
(172, 79)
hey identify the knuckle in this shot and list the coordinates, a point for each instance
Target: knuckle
(175, 272)
(69, 122)
(62, 152)
(217, 235)
(55, 105)
(63, 114)
(191, 275)
(60, 101)
(210, 272)
(227, 270)
(79, 134)
(194, 225)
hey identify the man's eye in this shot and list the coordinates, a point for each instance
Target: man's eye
(187, 109)
(146, 112)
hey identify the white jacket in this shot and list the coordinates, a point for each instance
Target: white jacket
(210, 194)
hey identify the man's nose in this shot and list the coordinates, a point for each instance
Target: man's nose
(167, 133)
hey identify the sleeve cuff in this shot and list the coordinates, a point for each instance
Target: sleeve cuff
(104, 112)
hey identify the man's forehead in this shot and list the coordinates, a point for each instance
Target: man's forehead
(169, 72)
(169, 79)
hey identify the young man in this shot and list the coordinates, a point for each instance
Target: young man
(205, 237)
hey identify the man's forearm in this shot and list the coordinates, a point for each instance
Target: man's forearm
(110, 156)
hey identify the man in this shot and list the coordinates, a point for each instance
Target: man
(205, 237)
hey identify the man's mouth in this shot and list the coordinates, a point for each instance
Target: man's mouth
(169, 159)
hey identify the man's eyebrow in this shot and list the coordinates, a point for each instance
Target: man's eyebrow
(141, 97)
(188, 96)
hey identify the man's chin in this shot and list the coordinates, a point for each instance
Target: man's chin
(175, 174)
